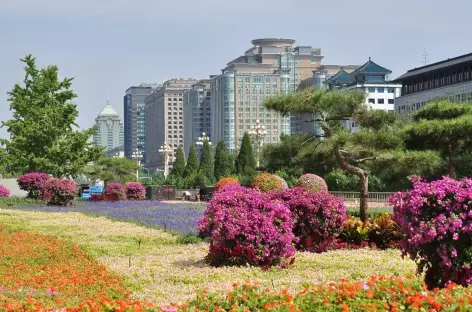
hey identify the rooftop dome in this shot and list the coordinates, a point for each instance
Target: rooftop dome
(273, 42)
(108, 111)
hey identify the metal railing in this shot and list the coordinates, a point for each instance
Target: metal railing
(379, 197)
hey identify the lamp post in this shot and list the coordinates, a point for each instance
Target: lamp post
(202, 139)
(165, 150)
(258, 133)
(137, 155)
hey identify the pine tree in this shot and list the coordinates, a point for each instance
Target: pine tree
(224, 163)
(192, 162)
(245, 162)
(206, 161)
(178, 167)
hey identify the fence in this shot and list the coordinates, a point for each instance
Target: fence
(377, 197)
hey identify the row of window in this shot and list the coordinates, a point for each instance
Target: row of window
(381, 101)
(381, 90)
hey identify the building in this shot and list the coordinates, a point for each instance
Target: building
(197, 113)
(451, 78)
(271, 67)
(165, 120)
(117, 152)
(109, 129)
(135, 119)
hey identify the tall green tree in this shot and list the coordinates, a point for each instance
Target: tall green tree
(192, 162)
(178, 168)
(206, 161)
(43, 130)
(109, 169)
(245, 162)
(224, 162)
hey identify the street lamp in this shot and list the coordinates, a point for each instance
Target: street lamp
(258, 134)
(138, 156)
(165, 150)
(202, 139)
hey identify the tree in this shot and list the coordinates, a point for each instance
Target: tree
(192, 162)
(206, 161)
(245, 162)
(43, 135)
(224, 163)
(378, 139)
(110, 169)
(178, 167)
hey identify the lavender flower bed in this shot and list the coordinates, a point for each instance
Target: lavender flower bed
(179, 217)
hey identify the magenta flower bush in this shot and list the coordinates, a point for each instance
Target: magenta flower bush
(115, 191)
(4, 192)
(246, 227)
(33, 183)
(318, 218)
(135, 191)
(436, 221)
(312, 182)
(60, 192)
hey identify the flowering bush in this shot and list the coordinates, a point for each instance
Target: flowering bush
(266, 182)
(4, 192)
(355, 232)
(318, 217)
(33, 183)
(436, 220)
(282, 180)
(135, 191)
(312, 182)
(114, 192)
(247, 227)
(222, 183)
(60, 192)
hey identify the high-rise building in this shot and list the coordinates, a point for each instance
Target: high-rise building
(271, 67)
(110, 129)
(165, 120)
(197, 113)
(135, 119)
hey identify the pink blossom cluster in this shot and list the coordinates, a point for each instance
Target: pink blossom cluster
(60, 192)
(436, 220)
(115, 191)
(4, 192)
(135, 191)
(247, 226)
(312, 182)
(33, 183)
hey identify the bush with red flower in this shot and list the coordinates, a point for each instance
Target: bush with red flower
(246, 227)
(436, 221)
(266, 182)
(114, 192)
(33, 183)
(135, 191)
(4, 192)
(312, 182)
(60, 192)
(222, 183)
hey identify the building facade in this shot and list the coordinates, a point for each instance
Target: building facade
(135, 119)
(109, 129)
(165, 121)
(451, 79)
(197, 113)
(271, 67)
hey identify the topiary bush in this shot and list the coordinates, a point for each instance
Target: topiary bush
(4, 192)
(246, 227)
(312, 182)
(60, 192)
(33, 183)
(318, 218)
(436, 221)
(114, 192)
(267, 182)
(222, 183)
(282, 180)
(135, 191)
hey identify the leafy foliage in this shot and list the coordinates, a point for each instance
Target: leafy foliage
(245, 163)
(33, 183)
(224, 162)
(135, 191)
(115, 191)
(109, 169)
(178, 167)
(4, 192)
(192, 162)
(312, 182)
(60, 192)
(266, 182)
(207, 162)
(222, 183)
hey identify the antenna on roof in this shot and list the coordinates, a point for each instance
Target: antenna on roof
(425, 57)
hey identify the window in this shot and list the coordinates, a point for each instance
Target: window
(380, 101)
(371, 101)
(371, 90)
(380, 90)
(391, 101)
(391, 90)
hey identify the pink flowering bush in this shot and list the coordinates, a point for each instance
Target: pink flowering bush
(4, 192)
(318, 218)
(33, 183)
(115, 192)
(135, 191)
(436, 221)
(247, 227)
(312, 182)
(60, 192)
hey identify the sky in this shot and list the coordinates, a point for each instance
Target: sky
(110, 45)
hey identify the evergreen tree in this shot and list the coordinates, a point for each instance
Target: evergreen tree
(224, 163)
(192, 162)
(178, 167)
(206, 161)
(43, 135)
(245, 162)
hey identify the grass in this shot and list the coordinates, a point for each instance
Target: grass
(161, 270)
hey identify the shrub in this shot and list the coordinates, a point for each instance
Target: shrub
(135, 191)
(436, 221)
(282, 180)
(318, 217)
(4, 192)
(355, 231)
(246, 227)
(383, 231)
(266, 182)
(312, 182)
(33, 183)
(60, 192)
(222, 183)
(114, 192)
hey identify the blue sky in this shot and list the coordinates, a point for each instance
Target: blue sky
(109, 45)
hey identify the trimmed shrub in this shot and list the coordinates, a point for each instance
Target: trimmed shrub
(114, 192)
(355, 232)
(33, 183)
(312, 182)
(4, 192)
(60, 192)
(246, 227)
(135, 191)
(222, 183)
(266, 182)
(282, 180)
(384, 232)
(436, 221)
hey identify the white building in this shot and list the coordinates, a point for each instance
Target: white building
(109, 129)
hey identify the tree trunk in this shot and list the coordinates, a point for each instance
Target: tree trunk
(364, 195)
(451, 170)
